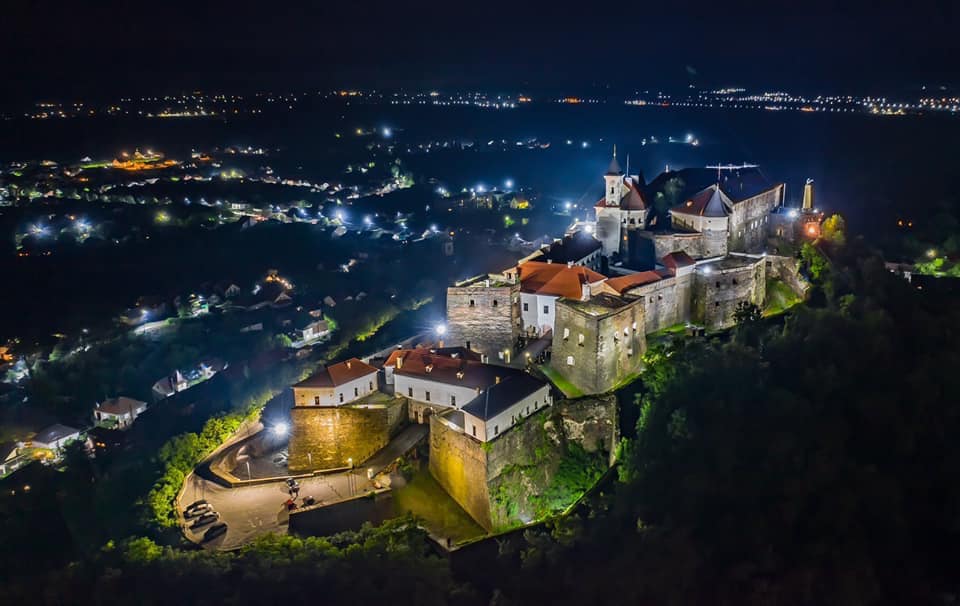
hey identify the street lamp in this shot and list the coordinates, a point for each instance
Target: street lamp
(280, 430)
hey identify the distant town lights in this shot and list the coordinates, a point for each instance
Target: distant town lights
(387, 132)
(508, 183)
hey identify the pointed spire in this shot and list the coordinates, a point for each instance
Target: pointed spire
(614, 168)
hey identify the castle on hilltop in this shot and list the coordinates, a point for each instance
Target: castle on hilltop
(687, 248)
(501, 391)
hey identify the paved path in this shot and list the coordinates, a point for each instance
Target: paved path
(251, 511)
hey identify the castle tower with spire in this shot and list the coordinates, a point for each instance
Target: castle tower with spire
(622, 210)
(614, 181)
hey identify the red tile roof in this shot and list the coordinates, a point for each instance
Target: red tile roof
(338, 374)
(624, 283)
(709, 202)
(676, 260)
(555, 279)
(633, 198)
(426, 365)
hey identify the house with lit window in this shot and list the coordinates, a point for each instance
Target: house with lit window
(542, 283)
(337, 384)
(118, 413)
(502, 405)
(435, 383)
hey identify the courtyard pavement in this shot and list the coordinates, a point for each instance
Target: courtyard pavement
(251, 511)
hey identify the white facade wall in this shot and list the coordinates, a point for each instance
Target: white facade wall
(337, 395)
(440, 394)
(537, 312)
(490, 429)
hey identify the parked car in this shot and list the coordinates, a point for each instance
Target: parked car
(207, 518)
(197, 503)
(215, 531)
(197, 511)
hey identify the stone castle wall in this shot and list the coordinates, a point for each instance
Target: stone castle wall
(717, 294)
(750, 221)
(787, 270)
(484, 318)
(459, 464)
(523, 461)
(606, 354)
(666, 302)
(327, 437)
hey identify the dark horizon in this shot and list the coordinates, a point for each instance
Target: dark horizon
(110, 49)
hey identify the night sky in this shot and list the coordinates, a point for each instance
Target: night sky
(69, 50)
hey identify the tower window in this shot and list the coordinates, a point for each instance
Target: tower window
(316, 400)
(569, 360)
(526, 307)
(546, 309)
(427, 398)
(356, 391)
(409, 392)
(341, 397)
(494, 302)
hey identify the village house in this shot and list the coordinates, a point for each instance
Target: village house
(119, 412)
(54, 438)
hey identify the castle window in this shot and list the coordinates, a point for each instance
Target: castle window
(569, 360)
(536, 403)
(316, 400)
(580, 340)
(496, 430)
(718, 284)
(356, 391)
(341, 397)
(634, 327)
(528, 410)
(472, 303)
(371, 385)
(566, 333)
(717, 304)
(453, 400)
(546, 309)
(409, 392)
(526, 307)
(474, 428)
(626, 332)
(427, 398)
(734, 280)
(494, 302)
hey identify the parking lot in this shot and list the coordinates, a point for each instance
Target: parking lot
(253, 510)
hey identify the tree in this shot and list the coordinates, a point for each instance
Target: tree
(834, 230)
